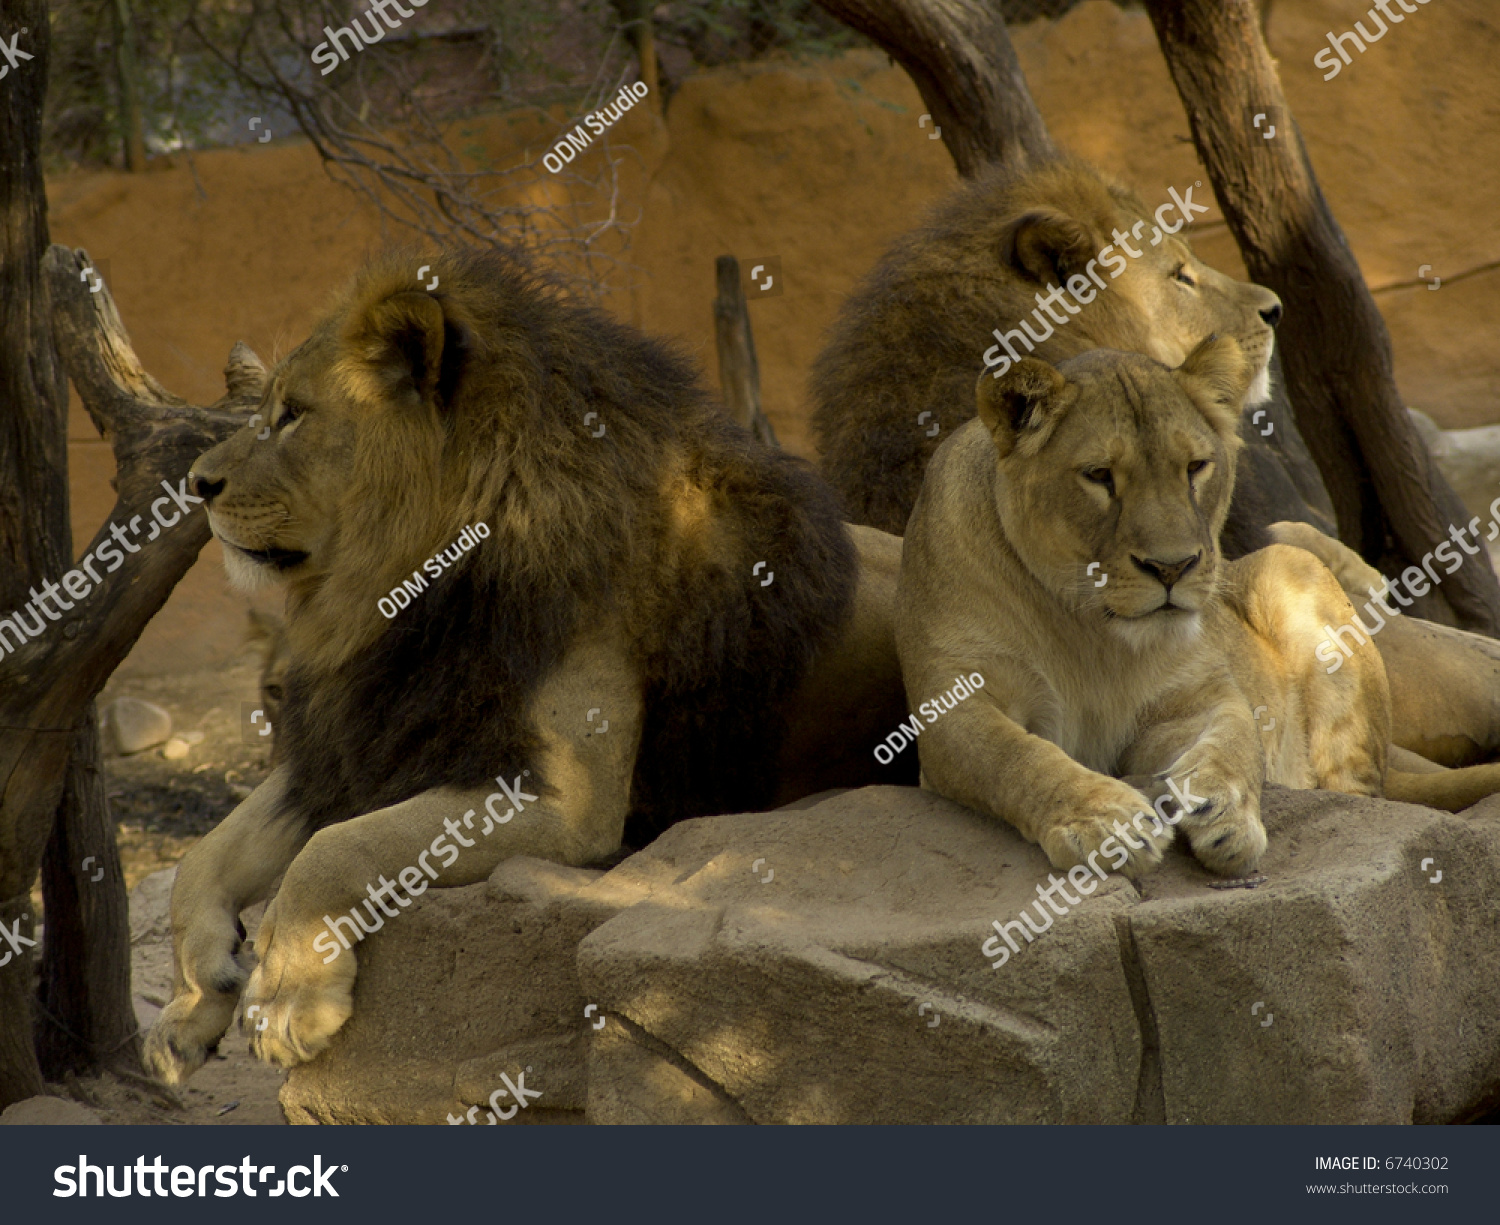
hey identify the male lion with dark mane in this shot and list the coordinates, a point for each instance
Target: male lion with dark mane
(667, 620)
(895, 379)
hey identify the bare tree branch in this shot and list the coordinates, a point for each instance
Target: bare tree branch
(961, 58)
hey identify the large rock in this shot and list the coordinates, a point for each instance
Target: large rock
(825, 965)
(468, 985)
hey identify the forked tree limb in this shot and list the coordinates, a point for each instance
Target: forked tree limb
(156, 436)
(960, 57)
(1391, 502)
(48, 684)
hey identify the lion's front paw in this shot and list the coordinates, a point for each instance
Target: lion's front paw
(294, 1002)
(1221, 817)
(210, 972)
(185, 1034)
(1105, 822)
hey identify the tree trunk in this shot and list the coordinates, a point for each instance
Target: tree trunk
(86, 1020)
(739, 371)
(132, 126)
(960, 57)
(33, 518)
(48, 684)
(1391, 502)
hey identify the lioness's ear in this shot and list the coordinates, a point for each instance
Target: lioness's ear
(1017, 401)
(405, 342)
(1045, 245)
(1218, 372)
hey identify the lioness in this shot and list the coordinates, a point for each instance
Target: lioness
(666, 619)
(1065, 547)
(895, 379)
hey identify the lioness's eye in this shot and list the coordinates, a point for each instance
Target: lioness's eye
(1100, 476)
(290, 411)
(1197, 466)
(1183, 275)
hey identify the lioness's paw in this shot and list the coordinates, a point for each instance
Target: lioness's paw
(211, 969)
(1106, 822)
(1221, 818)
(294, 1003)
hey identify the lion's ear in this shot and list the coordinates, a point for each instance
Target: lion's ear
(1022, 399)
(1218, 372)
(1045, 245)
(405, 341)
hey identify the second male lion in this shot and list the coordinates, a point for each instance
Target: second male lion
(896, 377)
(1065, 547)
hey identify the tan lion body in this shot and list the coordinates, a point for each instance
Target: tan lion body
(1177, 666)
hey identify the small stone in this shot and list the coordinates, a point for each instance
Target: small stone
(196, 736)
(176, 749)
(239, 791)
(32, 1111)
(135, 725)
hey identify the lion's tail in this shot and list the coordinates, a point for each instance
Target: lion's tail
(1450, 790)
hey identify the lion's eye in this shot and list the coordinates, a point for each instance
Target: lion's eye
(1100, 476)
(290, 411)
(1197, 466)
(1183, 275)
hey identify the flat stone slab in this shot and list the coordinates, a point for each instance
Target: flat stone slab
(827, 964)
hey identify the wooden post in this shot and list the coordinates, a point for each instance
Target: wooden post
(739, 372)
(1391, 502)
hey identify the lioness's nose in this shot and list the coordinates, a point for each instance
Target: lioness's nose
(204, 488)
(1272, 313)
(1166, 572)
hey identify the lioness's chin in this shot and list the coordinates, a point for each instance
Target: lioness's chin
(1153, 631)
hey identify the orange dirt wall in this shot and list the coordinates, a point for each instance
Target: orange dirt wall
(822, 164)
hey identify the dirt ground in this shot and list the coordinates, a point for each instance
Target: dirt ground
(821, 164)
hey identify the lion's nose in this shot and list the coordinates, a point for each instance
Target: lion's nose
(1166, 572)
(204, 488)
(1272, 314)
